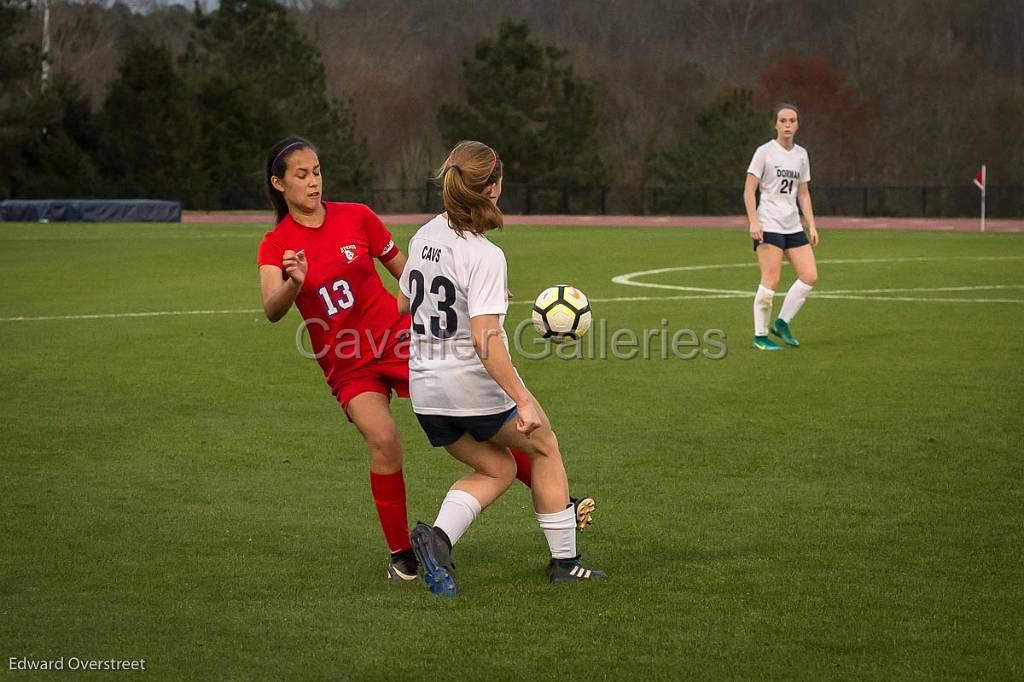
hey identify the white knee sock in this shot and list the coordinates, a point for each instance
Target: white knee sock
(795, 298)
(458, 511)
(560, 530)
(762, 309)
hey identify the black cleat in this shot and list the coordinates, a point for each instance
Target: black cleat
(435, 557)
(584, 508)
(403, 566)
(571, 571)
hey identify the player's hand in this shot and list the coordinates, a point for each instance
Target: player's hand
(813, 236)
(508, 293)
(527, 418)
(756, 233)
(295, 265)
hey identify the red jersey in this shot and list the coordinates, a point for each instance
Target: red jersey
(350, 317)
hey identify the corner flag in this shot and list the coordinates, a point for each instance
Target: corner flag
(980, 180)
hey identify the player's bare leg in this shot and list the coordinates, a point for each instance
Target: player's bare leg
(550, 484)
(769, 257)
(555, 514)
(802, 260)
(371, 413)
(584, 505)
(493, 472)
(493, 468)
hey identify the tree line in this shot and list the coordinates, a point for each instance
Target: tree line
(178, 103)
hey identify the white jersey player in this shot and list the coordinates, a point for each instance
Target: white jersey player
(451, 280)
(781, 170)
(465, 391)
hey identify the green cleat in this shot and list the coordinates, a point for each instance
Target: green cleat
(764, 343)
(781, 330)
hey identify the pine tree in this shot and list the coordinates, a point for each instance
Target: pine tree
(260, 79)
(525, 100)
(729, 130)
(149, 130)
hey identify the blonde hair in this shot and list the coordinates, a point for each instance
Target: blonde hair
(469, 169)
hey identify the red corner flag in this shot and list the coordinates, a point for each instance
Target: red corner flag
(979, 181)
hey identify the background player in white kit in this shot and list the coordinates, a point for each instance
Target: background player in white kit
(782, 170)
(465, 391)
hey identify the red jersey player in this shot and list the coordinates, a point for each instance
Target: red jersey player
(320, 257)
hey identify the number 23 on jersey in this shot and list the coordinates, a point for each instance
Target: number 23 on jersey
(441, 285)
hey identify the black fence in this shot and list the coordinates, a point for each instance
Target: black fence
(911, 202)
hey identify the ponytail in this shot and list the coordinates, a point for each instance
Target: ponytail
(469, 169)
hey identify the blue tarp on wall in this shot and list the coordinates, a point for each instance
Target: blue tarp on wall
(90, 211)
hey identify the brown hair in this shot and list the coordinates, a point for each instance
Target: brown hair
(779, 107)
(277, 164)
(468, 170)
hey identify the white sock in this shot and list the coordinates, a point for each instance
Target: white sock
(458, 512)
(560, 530)
(762, 309)
(795, 298)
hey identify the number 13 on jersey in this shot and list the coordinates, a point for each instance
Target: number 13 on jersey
(344, 300)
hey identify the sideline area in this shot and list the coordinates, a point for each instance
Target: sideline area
(724, 222)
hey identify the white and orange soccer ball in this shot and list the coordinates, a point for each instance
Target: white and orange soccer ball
(561, 313)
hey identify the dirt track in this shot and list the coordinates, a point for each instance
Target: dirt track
(727, 222)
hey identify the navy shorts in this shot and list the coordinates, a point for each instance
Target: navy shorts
(783, 241)
(442, 429)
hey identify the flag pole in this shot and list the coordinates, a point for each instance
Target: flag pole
(982, 210)
(981, 182)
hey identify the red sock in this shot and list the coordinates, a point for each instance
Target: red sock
(389, 496)
(524, 468)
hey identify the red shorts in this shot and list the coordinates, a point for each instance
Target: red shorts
(378, 376)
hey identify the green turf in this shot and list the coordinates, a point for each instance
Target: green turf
(184, 489)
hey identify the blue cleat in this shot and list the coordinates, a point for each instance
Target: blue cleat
(764, 343)
(781, 330)
(435, 557)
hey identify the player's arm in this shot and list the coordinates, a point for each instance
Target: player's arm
(402, 297)
(279, 294)
(750, 203)
(403, 303)
(496, 360)
(396, 264)
(803, 197)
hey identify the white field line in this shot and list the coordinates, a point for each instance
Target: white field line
(984, 287)
(115, 316)
(99, 238)
(629, 279)
(912, 299)
(251, 311)
(703, 294)
(619, 299)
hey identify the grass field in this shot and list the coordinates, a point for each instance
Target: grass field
(183, 488)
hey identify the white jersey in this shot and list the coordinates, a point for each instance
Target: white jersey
(449, 279)
(781, 171)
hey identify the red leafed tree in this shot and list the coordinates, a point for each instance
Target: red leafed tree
(833, 115)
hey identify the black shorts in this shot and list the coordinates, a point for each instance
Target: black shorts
(442, 429)
(783, 241)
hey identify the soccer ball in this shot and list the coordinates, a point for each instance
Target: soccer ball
(561, 313)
